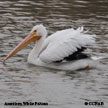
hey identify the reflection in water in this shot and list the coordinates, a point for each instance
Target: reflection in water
(20, 81)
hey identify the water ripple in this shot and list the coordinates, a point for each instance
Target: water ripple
(20, 81)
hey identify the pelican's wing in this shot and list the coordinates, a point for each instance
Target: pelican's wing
(64, 43)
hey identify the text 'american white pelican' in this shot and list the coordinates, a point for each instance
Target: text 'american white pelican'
(61, 50)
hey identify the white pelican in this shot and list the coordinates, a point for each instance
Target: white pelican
(61, 50)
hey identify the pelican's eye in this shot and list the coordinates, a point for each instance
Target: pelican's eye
(34, 32)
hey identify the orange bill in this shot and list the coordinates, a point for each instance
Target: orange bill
(30, 38)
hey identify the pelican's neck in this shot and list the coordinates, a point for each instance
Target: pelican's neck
(33, 56)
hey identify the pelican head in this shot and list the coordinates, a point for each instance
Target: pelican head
(36, 34)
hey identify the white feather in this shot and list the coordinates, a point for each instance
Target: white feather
(63, 43)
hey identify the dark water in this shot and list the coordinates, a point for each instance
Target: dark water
(20, 81)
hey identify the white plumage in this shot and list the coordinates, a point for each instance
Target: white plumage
(58, 46)
(65, 42)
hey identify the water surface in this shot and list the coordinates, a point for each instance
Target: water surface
(20, 81)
